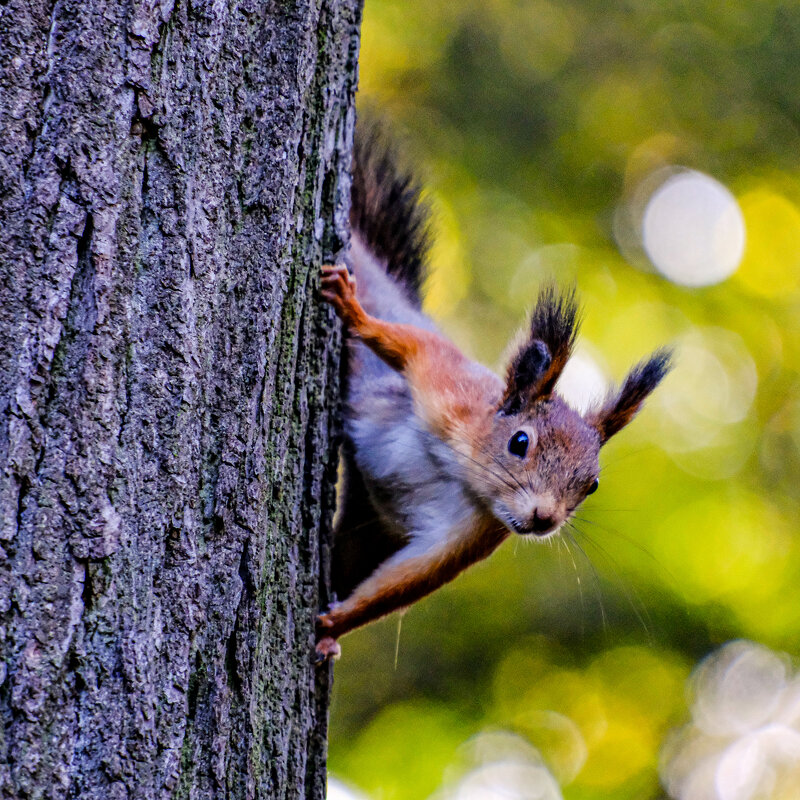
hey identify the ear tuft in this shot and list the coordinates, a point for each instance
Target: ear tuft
(537, 365)
(555, 320)
(620, 407)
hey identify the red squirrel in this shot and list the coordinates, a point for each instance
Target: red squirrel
(443, 459)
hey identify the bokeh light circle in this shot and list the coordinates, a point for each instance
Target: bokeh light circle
(337, 790)
(743, 741)
(693, 230)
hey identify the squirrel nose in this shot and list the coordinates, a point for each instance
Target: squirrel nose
(542, 522)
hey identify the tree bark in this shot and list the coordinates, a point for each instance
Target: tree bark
(171, 177)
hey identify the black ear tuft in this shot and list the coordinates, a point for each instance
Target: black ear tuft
(555, 318)
(534, 371)
(555, 322)
(620, 407)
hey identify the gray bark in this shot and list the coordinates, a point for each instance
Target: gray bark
(171, 177)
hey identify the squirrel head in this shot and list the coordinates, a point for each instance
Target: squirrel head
(543, 456)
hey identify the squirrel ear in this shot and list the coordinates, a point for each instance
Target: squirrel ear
(620, 407)
(537, 365)
(525, 373)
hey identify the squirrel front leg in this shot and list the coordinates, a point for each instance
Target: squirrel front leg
(405, 578)
(447, 394)
(395, 343)
(397, 583)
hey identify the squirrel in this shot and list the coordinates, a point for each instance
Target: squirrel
(443, 459)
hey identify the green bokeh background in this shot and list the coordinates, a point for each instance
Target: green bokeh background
(535, 126)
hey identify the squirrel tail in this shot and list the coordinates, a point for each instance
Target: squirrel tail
(387, 209)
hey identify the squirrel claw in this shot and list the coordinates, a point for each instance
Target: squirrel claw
(328, 649)
(339, 288)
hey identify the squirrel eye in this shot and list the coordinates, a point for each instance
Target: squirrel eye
(593, 486)
(518, 444)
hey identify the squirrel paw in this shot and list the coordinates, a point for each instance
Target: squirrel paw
(326, 620)
(327, 649)
(339, 289)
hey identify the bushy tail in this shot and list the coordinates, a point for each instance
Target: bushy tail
(386, 208)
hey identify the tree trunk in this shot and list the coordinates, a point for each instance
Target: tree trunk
(172, 175)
